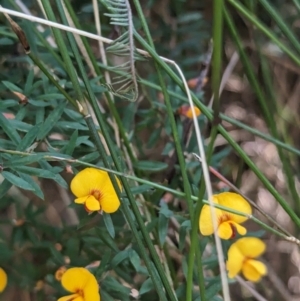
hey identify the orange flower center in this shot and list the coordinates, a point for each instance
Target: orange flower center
(80, 293)
(96, 194)
(225, 218)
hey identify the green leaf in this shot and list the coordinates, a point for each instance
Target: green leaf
(104, 262)
(50, 96)
(121, 256)
(185, 226)
(85, 221)
(102, 233)
(17, 181)
(41, 173)
(72, 125)
(105, 296)
(135, 259)
(146, 286)
(109, 224)
(37, 190)
(6, 41)
(164, 210)
(4, 187)
(51, 120)
(213, 290)
(113, 285)
(20, 125)
(19, 161)
(163, 223)
(7, 103)
(58, 178)
(12, 87)
(29, 82)
(71, 144)
(141, 189)
(29, 138)
(152, 166)
(6, 126)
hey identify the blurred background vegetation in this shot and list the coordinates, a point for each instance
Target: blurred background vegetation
(251, 134)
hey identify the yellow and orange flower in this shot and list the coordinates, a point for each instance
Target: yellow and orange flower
(241, 256)
(94, 189)
(228, 223)
(186, 111)
(82, 285)
(3, 280)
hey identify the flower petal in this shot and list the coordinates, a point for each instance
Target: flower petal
(205, 220)
(253, 270)
(75, 279)
(91, 290)
(92, 204)
(74, 297)
(236, 202)
(110, 203)
(109, 199)
(3, 280)
(81, 200)
(82, 183)
(240, 229)
(251, 247)
(235, 261)
(225, 230)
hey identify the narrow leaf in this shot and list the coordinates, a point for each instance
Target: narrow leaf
(146, 286)
(51, 120)
(12, 87)
(6, 126)
(17, 181)
(29, 138)
(37, 189)
(71, 144)
(152, 166)
(109, 224)
(104, 262)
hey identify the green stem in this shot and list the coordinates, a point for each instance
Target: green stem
(259, 25)
(286, 30)
(64, 51)
(186, 184)
(52, 79)
(262, 101)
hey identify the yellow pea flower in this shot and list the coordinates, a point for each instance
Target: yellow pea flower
(241, 256)
(94, 189)
(186, 111)
(81, 283)
(3, 280)
(228, 223)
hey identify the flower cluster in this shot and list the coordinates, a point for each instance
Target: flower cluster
(94, 189)
(241, 253)
(82, 285)
(241, 256)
